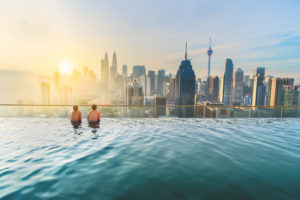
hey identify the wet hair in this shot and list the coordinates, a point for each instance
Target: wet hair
(75, 108)
(94, 107)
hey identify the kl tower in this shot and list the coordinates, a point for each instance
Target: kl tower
(209, 53)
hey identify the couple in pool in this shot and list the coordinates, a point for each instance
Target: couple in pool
(93, 117)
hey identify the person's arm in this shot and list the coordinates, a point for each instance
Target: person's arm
(71, 116)
(87, 117)
(80, 116)
(98, 116)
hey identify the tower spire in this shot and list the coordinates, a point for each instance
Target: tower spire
(185, 56)
(209, 53)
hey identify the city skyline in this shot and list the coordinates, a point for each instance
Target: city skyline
(41, 40)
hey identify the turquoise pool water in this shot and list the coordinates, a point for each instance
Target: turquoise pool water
(150, 159)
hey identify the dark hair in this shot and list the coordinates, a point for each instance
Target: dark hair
(75, 108)
(94, 107)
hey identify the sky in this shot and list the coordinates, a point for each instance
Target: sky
(38, 35)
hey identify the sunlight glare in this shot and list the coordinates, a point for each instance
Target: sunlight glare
(66, 67)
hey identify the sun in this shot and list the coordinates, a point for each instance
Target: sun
(65, 67)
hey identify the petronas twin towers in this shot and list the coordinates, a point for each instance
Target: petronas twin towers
(106, 72)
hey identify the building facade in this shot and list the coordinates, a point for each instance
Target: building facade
(185, 83)
(259, 89)
(238, 83)
(138, 70)
(105, 69)
(227, 83)
(161, 82)
(212, 89)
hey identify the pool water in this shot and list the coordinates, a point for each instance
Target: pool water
(45, 158)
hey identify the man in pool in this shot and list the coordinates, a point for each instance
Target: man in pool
(93, 115)
(75, 115)
(93, 118)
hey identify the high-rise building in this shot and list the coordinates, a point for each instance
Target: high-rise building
(160, 103)
(247, 100)
(259, 89)
(151, 75)
(203, 86)
(114, 67)
(246, 80)
(75, 76)
(45, 93)
(56, 81)
(92, 76)
(124, 71)
(161, 82)
(134, 93)
(275, 90)
(185, 83)
(105, 69)
(138, 70)
(65, 96)
(171, 91)
(227, 83)
(238, 80)
(212, 89)
(209, 53)
(258, 94)
(221, 91)
(85, 71)
(290, 95)
(145, 84)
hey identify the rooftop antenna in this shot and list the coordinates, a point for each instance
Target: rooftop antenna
(185, 50)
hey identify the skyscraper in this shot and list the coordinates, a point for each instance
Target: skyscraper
(212, 89)
(134, 93)
(161, 82)
(275, 86)
(65, 95)
(246, 80)
(290, 95)
(160, 103)
(138, 70)
(171, 91)
(105, 69)
(151, 75)
(238, 80)
(227, 83)
(45, 93)
(85, 70)
(114, 67)
(209, 53)
(124, 71)
(185, 83)
(259, 89)
(144, 81)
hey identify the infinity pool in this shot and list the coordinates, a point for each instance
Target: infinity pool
(150, 159)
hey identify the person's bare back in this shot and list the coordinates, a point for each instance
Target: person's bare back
(75, 115)
(93, 115)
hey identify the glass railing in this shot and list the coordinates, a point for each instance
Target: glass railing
(124, 111)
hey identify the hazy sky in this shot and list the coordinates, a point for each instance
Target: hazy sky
(38, 34)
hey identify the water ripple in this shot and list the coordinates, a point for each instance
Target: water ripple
(150, 159)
